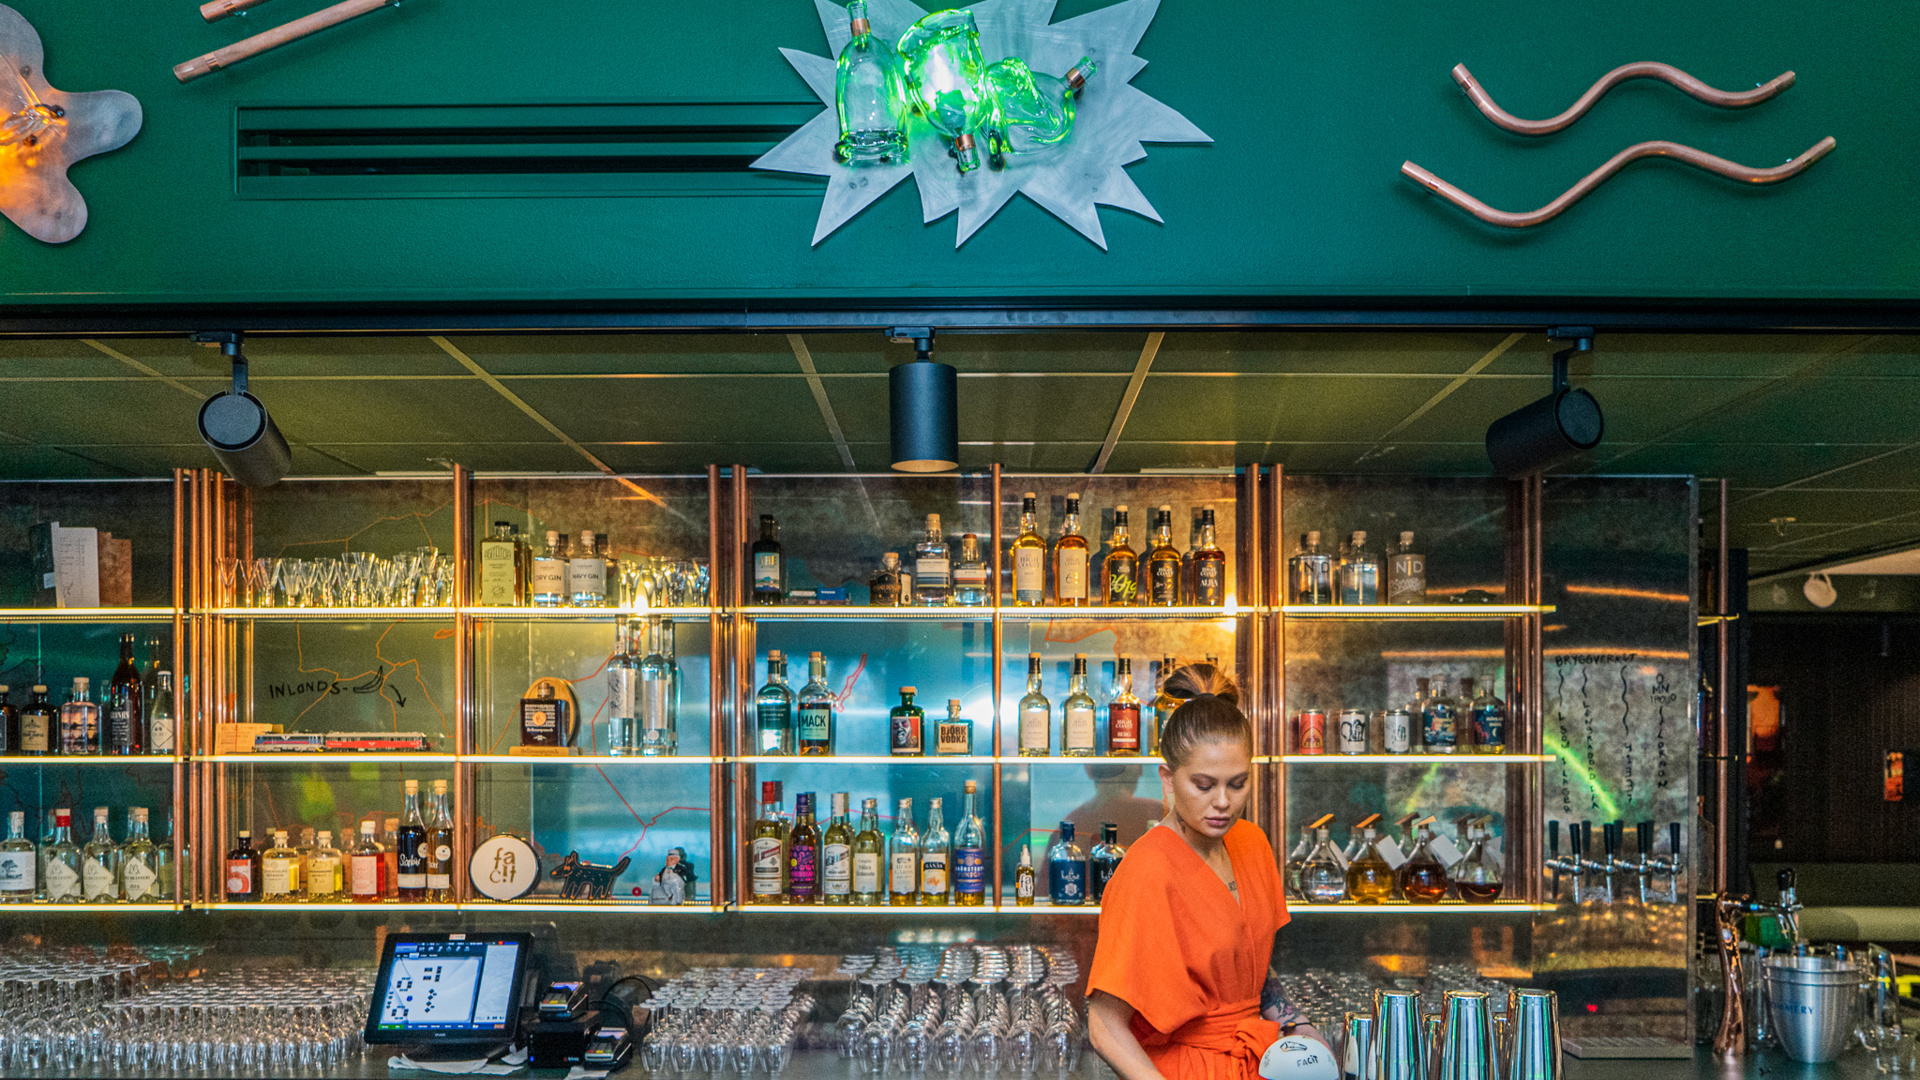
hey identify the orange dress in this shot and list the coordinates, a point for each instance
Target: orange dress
(1190, 960)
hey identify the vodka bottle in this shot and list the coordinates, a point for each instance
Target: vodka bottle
(773, 709)
(953, 737)
(969, 854)
(659, 704)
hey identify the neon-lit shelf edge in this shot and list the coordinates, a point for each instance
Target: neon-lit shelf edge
(1348, 907)
(93, 615)
(583, 759)
(1414, 611)
(90, 759)
(39, 906)
(292, 757)
(860, 759)
(1410, 759)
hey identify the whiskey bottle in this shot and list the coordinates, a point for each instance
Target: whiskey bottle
(587, 574)
(325, 870)
(1310, 572)
(498, 566)
(1103, 860)
(1163, 562)
(243, 870)
(1440, 721)
(1369, 877)
(773, 710)
(1477, 876)
(60, 862)
(935, 858)
(1123, 714)
(768, 851)
(1120, 573)
(1164, 705)
(883, 588)
(869, 857)
(19, 863)
(969, 854)
(367, 868)
(100, 863)
(932, 567)
(545, 720)
(907, 727)
(550, 573)
(38, 726)
(1406, 573)
(1209, 566)
(816, 710)
(1076, 713)
(868, 97)
(1023, 878)
(280, 867)
(126, 705)
(439, 847)
(1322, 881)
(1422, 878)
(80, 721)
(1066, 870)
(658, 704)
(803, 853)
(953, 737)
(1029, 557)
(623, 691)
(9, 723)
(903, 858)
(160, 720)
(1489, 720)
(1070, 559)
(1036, 715)
(836, 855)
(970, 574)
(1359, 572)
(769, 564)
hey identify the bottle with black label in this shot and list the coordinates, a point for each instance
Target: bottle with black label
(439, 850)
(411, 842)
(1104, 859)
(37, 725)
(907, 726)
(769, 564)
(9, 723)
(126, 705)
(1209, 566)
(544, 719)
(816, 710)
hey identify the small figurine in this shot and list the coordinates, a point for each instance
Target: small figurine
(587, 881)
(674, 883)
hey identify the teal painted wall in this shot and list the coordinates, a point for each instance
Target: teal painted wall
(1312, 105)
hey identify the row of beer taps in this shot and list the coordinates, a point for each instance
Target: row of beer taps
(1653, 878)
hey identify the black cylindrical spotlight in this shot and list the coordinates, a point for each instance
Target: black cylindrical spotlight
(924, 398)
(1552, 430)
(244, 439)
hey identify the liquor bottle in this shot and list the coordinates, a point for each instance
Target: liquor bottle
(157, 662)
(1423, 878)
(367, 867)
(587, 574)
(164, 885)
(1076, 713)
(1489, 719)
(868, 97)
(769, 564)
(932, 567)
(550, 573)
(243, 870)
(100, 863)
(80, 721)
(1296, 859)
(1440, 722)
(903, 858)
(1036, 715)
(39, 730)
(1066, 870)
(498, 566)
(439, 849)
(9, 723)
(970, 574)
(836, 855)
(907, 727)
(1369, 877)
(19, 863)
(280, 867)
(936, 858)
(803, 853)
(1163, 562)
(869, 857)
(786, 819)
(1463, 729)
(324, 871)
(659, 692)
(1310, 572)
(773, 710)
(969, 865)
(160, 720)
(816, 710)
(1070, 559)
(1322, 881)
(768, 851)
(126, 705)
(883, 588)
(1029, 556)
(1359, 573)
(1164, 705)
(411, 842)
(60, 862)
(1477, 876)
(623, 693)
(139, 862)
(1209, 565)
(545, 720)
(1023, 878)
(1120, 573)
(1104, 859)
(953, 737)
(1406, 573)
(1123, 714)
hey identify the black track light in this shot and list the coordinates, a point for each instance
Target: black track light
(924, 399)
(1553, 430)
(244, 439)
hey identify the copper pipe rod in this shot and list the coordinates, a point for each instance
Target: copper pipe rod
(268, 40)
(999, 642)
(1699, 159)
(717, 642)
(1276, 719)
(1723, 709)
(1645, 69)
(465, 709)
(215, 10)
(743, 647)
(181, 877)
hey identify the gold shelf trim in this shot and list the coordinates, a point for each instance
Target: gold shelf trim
(297, 757)
(1137, 759)
(90, 759)
(583, 759)
(1414, 612)
(384, 905)
(42, 906)
(1411, 759)
(859, 759)
(1348, 907)
(88, 615)
(580, 614)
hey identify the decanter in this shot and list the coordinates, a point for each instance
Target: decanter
(1322, 881)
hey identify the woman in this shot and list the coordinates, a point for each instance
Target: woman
(1187, 923)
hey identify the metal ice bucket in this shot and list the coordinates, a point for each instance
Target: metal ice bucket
(1813, 1000)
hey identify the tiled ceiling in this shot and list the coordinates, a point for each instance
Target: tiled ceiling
(1818, 434)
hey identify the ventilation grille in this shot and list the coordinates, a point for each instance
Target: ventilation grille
(378, 151)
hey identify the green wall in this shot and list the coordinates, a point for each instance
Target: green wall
(1312, 105)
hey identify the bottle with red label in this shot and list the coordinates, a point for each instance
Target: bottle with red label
(243, 870)
(367, 867)
(1123, 714)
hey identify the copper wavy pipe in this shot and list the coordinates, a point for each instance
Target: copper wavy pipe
(1699, 159)
(1645, 69)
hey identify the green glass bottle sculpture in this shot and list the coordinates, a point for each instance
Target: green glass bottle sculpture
(1036, 111)
(946, 78)
(869, 98)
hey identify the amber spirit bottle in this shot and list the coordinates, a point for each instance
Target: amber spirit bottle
(1076, 714)
(39, 727)
(1029, 557)
(1036, 715)
(869, 857)
(1120, 585)
(1163, 563)
(499, 569)
(126, 705)
(1164, 705)
(1070, 555)
(1024, 878)
(1123, 714)
(1423, 879)
(769, 564)
(1369, 878)
(1209, 566)
(936, 858)
(816, 710)
(280, 867)
(836, 855)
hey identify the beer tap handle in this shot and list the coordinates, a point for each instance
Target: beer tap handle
(1553, 840)
(1643, 838)
(1610, 838)
(1581, 845)
(1673, 844)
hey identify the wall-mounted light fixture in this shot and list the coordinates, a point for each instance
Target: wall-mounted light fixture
(924, 407)
(1554, 429)
(244, 439)
(43, 131)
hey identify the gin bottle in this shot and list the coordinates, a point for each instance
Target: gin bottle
(100, 863)
(1440, 721)
(935, 858)
(907, 727)
(80, 721)
(953, 737)
(1310, 572)
(623, 691)
(869, 857)
(969, 854)
(970, 574)
(587, 574)
(659, 694)
(773, 710)
(1077, 713)
(160, 720)
(1104, 859)
(1322, 881)
(1029, 557)
(60, 861)
(1359, 573)
(1066, 870)
(280, 867)
(1406, 573)
(816, 710)
(1120, 572)
(1036, 715)
(836, 855)
(550, 574)
(1070, 556)
(1489, 720)
(932, 567)
(325, 871)
(499, 569)
(868, 97)
(903, 858)
(19, 863)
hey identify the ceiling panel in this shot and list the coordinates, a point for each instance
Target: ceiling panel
(695, 457)
(1683, 355)
(78, 413)
(270, 356)
(675, 410)
(605, 354)
(395, 411)
(1379, 354)
(1259, 410)
(968, 353)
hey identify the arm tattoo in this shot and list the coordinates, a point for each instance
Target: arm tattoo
(1272, 996)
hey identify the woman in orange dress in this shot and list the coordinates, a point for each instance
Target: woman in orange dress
(1187, 922)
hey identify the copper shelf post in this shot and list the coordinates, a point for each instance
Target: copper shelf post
(718, 640)
(466, 712)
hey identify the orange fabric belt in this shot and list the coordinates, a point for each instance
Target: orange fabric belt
(1225, 1044)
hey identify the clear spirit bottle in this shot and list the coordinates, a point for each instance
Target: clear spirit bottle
(767, 874)
(1070, 556)
(9, 722)
(935, 858)
(1310, 572)
(280, 867)
(903, 858)
(773, 710)
(1123, 713)
(803, 853)
(243, 870)
(1369, 877)
(367, 867)
(1406, 573)
(499, 569)
(1023, 878)
(969, 853)
(80, 721)
(1163, 563)
(1120, 572)
(932, 567)
(19, 863)
(1322, 881)
(439, 847)
(39, 726)
(326, 870)
(100, 863)
(623, 691)
(1077, 713)
(769, 564)
(659, 693)
(907, 727)
(1066, 870)
(410, 845)
(868, 97)
(953, 737)
(1477, 876)
(869, 857)
(970, 574)
(1359, 572)
(126, 705)
(160, 719)
(60, 861)
(157, 662)
(1489, 720)
(1036, 715)
(1440, 721)
(550, 575)
(836, 855)
(817, 705)
(1209, 565)
(1029, 557)
(884, 587)
(1104, 859)
(1296, 859)
(587, 574)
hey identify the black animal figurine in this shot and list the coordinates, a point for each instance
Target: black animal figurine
(587, 881)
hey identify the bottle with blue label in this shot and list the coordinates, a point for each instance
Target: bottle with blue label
(969, 854)
(1066, 870)
(1489, 719)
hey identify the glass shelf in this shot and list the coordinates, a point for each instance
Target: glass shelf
(584, 759)
(805, 612)
(1137, 759)
(580, 614)
(1101, 613)
(615, 906)
(384, 905)
(1411, 759)
(864, 909)
(90, 759)
(88, 615)
(43, 907)
(295, 757)
(1045, 907)
(860, 759)
(1401, 907)
(329, 614)
(1414, 612)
